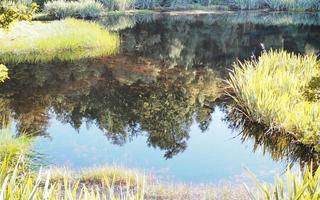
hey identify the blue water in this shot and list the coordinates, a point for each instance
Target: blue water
(213, 156)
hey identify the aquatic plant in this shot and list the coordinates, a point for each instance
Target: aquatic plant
(269, 91)
(25, 184)
(296, 185)
(79, 9)
(68, 39)
(64, 184)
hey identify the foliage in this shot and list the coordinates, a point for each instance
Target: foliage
(80, 9)
(10, 12)
(9, 145)
(24, 184)
(16, 182)
(248, 4)
(295, 186)
(289, 5)
(68, 39)
(3, 73)
(147, 4)
(118, 4)
(297, 5)
(268, 91)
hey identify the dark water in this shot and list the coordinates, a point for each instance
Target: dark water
(158, 104)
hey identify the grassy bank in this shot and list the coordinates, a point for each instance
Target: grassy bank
(270, 91)
(95, 8)
(68, 39)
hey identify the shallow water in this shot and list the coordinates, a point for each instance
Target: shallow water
(157, 105)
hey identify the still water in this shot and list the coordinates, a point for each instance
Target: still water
(157, 105)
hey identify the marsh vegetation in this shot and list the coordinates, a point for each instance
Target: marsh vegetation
(143, 87)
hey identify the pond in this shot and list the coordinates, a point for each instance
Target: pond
(157, 104)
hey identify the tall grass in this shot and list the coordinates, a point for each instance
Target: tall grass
(23, 185)
(295, 185)
(80, 9)
(69, 39)
(296, 5)
(270, 91)
(289, 5)
(118, 4)
(248, 4)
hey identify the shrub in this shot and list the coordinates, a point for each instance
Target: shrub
(270, 91)
(248, 4)
(118, 4)
(291, 5)
(297, 5)
(10, 12)
(147, 4)
(3, 73)
(79, 9)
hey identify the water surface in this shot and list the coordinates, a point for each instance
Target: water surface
(157, 105)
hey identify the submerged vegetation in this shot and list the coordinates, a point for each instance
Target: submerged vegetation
(270, 91)
(69, 39)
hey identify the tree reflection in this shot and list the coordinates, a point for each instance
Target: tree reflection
(162, 103)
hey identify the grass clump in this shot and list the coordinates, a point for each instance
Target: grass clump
(85, 9)
(26, 184)
(68, 39)
(295, 185)
(270, 91)
(109, 175)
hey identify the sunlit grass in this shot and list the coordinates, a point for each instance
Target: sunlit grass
(9, 145)
(69, 39)
(270, 91)
(295, 185)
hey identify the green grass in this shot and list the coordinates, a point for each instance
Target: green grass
(270, 91)
(64, 40)
(295, 185)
